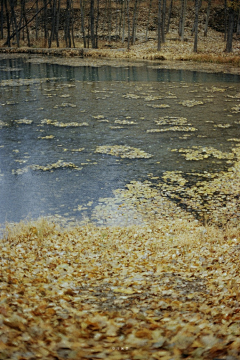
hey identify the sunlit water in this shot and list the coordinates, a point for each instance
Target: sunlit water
(101, 98)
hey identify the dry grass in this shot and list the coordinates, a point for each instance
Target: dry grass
(211, 58)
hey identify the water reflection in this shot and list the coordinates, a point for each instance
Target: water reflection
(19, 68)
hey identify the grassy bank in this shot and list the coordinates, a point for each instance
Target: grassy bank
(167, 290)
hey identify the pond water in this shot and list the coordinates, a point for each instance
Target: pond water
(71, 136)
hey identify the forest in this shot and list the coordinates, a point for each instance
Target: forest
(98, 23)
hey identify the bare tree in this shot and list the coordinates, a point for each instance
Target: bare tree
(238, 22)
(207, 17)
(159, 26)
(182, 19)
(134, 22)
(148, 19)
(123, 21)
(82, 11)
(8, 42)
(2, 18)
(97, 22)
(196, 25)
(14, 21)
(169, 16)
(92, 20)
(128, 19)
(231, 14)
(163, 20)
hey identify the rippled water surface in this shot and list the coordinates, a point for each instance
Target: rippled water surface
(53, 119)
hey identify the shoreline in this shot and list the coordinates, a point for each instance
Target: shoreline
(115, 57)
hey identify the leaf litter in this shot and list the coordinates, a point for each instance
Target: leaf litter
(165, 290)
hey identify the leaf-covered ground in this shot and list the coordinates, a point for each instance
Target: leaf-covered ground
(166, 290)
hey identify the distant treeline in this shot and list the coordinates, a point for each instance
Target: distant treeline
(92, 20)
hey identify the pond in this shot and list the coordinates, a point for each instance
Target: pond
(117, 144)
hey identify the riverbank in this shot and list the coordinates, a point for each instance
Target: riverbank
(174, 53)
(165, 290)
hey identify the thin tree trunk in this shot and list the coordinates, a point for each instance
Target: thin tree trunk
(92, 20)
(120, 19)
(82, 7)
(207, 18)
(109, 20)
(2, 18)
(97, 22)
(72, 22)
(36, 21)
(14, 20)
(8, 42)
(26, 23)
(225, 20)
(182, 19)
(53, 24)
(196, 25)
(57, 21)
(230, 27)
(169, 16)
(163, 20)
(45, 4)
(134, 20)
(67, 25)
(88, 32)
(123, 23)
(148, 19)
(128, 18)
(238, 22)
(159, 26)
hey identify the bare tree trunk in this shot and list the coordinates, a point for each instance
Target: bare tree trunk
(128, 18)
(196, 25)
(182, 19)
(238, 22)
(36, 21)
(225, 20)
(92, 20)
(72, 21)
(82, 10)
(134, 21)
(120, 18)
(169, 16)
(57, 21)
(97, 22)
(163, 20)
(109, 19)
(14, 20)
(8, 24)
(123, 23)
(45, 20)
(148, 19)
(68, 24)
(230, 27)
(27, 22)
(53, 24)
(159, 26)
(207, 18)
(2, 18)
